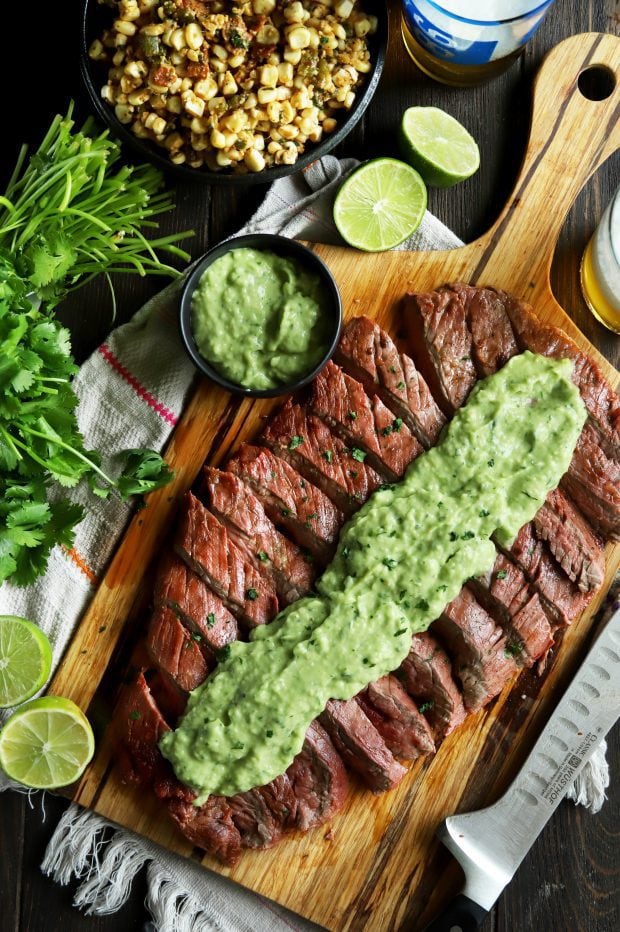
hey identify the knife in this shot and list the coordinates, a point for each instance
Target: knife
(491, 843)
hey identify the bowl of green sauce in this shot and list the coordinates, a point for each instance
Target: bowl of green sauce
(260, 315)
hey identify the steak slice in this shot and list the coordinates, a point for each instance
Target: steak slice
(139, 725)
(318, 779)
(361, 746)
(175, 651)
(593, 482)
(243, 515)
(601, 401)
(368, 354)
(306, 443)
(198, 607)
(395, 716)
(263, 815)
(304, 511)
(571, 540)
(206, 547)
(442, 345)
(210, 826)
(482, 662)
(492, 335)
(426, 674)
(506, 595)
(342, 403)
(560, 597)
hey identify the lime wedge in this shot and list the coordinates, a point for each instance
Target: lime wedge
(46, 744)
(438, 146)
(25, 660)
(380, 205)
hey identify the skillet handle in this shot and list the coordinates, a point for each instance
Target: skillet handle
(460, 915)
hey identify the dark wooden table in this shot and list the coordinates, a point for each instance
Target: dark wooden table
(571, 878)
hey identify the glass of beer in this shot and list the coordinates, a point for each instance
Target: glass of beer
(600, 268)
(464, 42)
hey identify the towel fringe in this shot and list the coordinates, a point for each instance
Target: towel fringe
(589, 788)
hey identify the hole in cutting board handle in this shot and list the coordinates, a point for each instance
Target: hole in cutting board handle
(596, 83)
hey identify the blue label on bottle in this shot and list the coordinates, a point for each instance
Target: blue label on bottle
(449, 45)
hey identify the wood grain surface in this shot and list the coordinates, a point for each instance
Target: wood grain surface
(577, 886)
(397, 874)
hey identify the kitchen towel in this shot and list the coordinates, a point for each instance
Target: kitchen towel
(132, 391)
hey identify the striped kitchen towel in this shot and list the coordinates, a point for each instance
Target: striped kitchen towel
(132, 391)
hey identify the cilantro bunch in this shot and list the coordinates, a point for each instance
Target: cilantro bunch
(66, 216)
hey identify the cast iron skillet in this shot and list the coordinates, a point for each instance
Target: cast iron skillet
(96, 17)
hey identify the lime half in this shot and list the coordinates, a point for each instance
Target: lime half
(380, 205)
(438, 146)
(46, 744)
(25, 660)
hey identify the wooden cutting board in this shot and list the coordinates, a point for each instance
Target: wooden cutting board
(378, 866)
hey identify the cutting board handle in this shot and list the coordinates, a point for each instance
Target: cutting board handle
(570, 137)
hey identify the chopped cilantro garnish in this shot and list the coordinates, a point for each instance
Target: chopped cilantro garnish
(210, 620)
(358, 454)
(501, 574)
(327, 455)
(484, 513)
(422, 604)
(400, 386)
(467, 535)
(352, 415)
(251, 594)
(295, 442)
(389, 562)
(397, 423)
(262, 556)
(426, 706)
(134, 715)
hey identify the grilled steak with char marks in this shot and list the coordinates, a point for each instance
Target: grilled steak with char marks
(593, 482)
(481, 659)
(342, 403)
(306, 442)
(442, 345)
(395, 716)
(243, 515)
(426, 674)
(198, 607)
(361, 746)
(561, 598)
(368, 354)
(506, 595)
(174, 651)
(493, 341)
(571, 540)
(601, 401)
(206, 547)
(305, 512)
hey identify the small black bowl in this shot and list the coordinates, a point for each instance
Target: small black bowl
(97, 17)
(281, 246)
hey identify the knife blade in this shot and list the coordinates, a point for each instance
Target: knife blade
(491, 843)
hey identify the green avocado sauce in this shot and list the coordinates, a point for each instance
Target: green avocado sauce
(260, 319)
(400, 560)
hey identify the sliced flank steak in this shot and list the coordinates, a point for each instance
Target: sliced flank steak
(305, 442)
(397, 719)
(368, 354)
(291, 501)
(442, 345)
(571, 540)
(311, 791)
(479, 648)
(362, 422)
(139, 725)
(601, 401)
(197, 606)
(493, 340)
(318, 778)
(505, 593)
(244, 517)
(560, 597)
(206, 547)
(361, 746)
(426, 674)
(593, 482)
(175, 651)
(210, 826)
